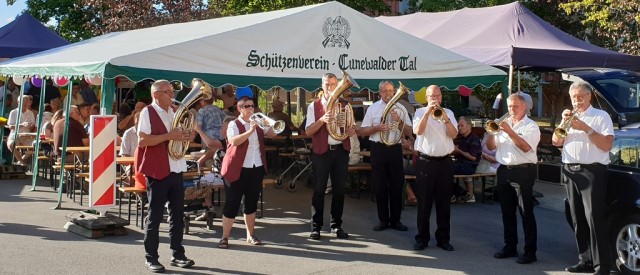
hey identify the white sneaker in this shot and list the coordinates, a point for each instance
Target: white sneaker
(470, 198)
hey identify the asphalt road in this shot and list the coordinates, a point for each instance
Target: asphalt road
(34, 241)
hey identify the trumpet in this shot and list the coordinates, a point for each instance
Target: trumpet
(562, 129)
(266, 122)
(493, 126)
(438, 113)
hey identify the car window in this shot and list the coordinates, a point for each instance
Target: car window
(625, 151)
(623, 91)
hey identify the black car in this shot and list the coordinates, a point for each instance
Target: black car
(623, 201)
(616, 91)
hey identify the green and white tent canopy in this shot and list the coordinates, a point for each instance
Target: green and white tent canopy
(287, 48)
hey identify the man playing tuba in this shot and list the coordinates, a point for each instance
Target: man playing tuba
(330, 156)
(387, 117)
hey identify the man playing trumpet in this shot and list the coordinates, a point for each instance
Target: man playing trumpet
(386, 159)
(515, 146)
(585, 156)
(434, 168)
(330, 158)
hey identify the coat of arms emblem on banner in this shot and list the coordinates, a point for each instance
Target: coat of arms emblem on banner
(336, 31)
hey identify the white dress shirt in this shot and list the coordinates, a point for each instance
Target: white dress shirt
(311, 118)
(374, 116)
(129, 142)
(27, 116)
(507, 153)
(252, 158)
(144, 126)
(578, 148)
(434, 140)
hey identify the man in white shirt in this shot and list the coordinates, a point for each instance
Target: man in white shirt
(26, 125)
(130, 138)
(515, 146)
(434, 168)
(330, 158)
(585, 156)
(386, 160)
(164, 175)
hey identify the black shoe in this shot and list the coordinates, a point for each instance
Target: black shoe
(154, 267)
(506, 252)
(446, 246)
(581, 267)
(420, 246)
(381, 226)
(526, 258)
(184, 263)
(399, 226)
(339, 233)
(315, 235)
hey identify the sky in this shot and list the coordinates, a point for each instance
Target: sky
(8, 13)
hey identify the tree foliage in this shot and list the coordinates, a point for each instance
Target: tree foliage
(69, 16)
(611, 24)
(239, 7)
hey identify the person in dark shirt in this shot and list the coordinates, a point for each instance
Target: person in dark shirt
(467, 152)
(278, 114)
(77, 136)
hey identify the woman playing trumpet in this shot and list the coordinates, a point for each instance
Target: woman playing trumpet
(243, 169)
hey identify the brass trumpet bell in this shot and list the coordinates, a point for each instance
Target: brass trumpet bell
(266, 122)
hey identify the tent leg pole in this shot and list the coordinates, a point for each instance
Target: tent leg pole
(510, 79)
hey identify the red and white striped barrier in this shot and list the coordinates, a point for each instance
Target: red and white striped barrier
(102, 168)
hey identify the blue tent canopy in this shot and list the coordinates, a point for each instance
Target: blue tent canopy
(26, 35)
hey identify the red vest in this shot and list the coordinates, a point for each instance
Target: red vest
(234, 156)
(153, 161)
(320, 139)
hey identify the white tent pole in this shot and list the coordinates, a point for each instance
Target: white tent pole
(510, 85)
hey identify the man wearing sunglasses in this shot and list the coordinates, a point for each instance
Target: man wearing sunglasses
(330, 158)
(163, 174)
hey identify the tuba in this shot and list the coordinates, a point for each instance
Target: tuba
(184, 119)
(343, 114)
(266, 122)
(394, 133)
(493, 126)
(563, 129)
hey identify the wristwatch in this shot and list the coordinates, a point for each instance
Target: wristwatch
(591, 131)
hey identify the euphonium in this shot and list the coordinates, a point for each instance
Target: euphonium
(184, 119)
(266, 122)
(562, 129)
(343, 115)
(493, 126)
(394, 133)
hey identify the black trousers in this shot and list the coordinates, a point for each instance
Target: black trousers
(333, 163)
(587, 192)
(433, 184)
(159, 192)
(388, 179)
(515, 190)
(248, 185)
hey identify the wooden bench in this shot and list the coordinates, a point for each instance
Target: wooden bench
(355, 171)
(130, 192)
(483, 177)
(265, 182)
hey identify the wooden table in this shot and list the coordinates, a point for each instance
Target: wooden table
(127, 161)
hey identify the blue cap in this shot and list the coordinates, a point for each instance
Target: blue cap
(244, 91)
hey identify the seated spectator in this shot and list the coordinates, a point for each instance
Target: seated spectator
(278, 114)
(88, 95)
(125, 115)
(76, 97)
(467, 153)
(488, 163)
(56, 104)
(130, 138)
(95, 109)
(229, 100)
(47, 127)
(209, 121)
(76, 135)
(46, 115)
(27, 124)
(85, 113)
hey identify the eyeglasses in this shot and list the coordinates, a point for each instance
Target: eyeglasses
(166, 91)
(579, 97)
(247, 106)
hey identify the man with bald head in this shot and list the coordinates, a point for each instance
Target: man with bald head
(434, 168)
